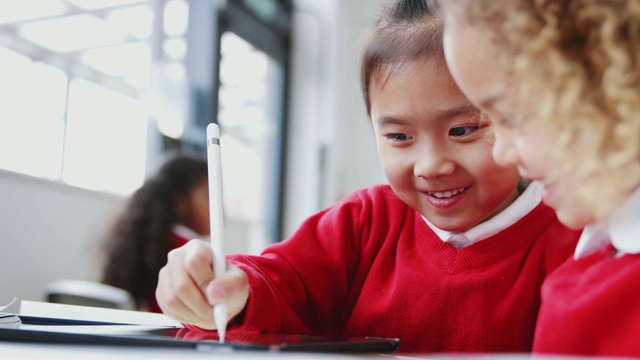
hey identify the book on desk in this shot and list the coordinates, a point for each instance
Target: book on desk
(41, 322)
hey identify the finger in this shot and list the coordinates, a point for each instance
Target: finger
(232, 288)
(191, 281)
(178, 292)
(172, 305)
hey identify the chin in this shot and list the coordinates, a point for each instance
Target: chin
(452, 227)
(573, 220)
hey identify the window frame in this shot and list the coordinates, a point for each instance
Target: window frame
(207, 22)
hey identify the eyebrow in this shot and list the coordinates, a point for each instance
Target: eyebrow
(438, 115)
(456, 111)
(389, 120)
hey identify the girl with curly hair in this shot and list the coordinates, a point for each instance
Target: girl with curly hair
(560, 81)
(171, 208)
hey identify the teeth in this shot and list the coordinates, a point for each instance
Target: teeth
(446, 194)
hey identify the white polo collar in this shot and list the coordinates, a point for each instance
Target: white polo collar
(526, 202)
(623, 232)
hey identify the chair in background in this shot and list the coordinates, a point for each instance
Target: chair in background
(88, 293)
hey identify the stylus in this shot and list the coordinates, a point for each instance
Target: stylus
(220, 312)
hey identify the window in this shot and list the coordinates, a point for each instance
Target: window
(250, 133)
(94, 90)
(75, 90)
(246, 96)
(31, 116)
(254, 62)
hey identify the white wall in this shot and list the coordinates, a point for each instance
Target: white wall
(50, 230)
(331, 146)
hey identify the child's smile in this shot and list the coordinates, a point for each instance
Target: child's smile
(447, 198)
(436, 149)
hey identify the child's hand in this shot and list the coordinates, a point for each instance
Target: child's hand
(187, 289)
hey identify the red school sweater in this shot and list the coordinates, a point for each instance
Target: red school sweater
(370, 266)
(591, 306)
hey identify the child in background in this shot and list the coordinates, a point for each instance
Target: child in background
(567, 111)
(170, 208)
(448, 257)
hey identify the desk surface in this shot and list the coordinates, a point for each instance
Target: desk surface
(11, 350)
(54, 351)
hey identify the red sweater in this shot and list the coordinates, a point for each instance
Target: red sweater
(591, 306)
(370, 266)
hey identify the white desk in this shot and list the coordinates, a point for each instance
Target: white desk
(18, 350)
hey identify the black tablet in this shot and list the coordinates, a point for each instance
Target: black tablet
(294, 342)
(62, 331)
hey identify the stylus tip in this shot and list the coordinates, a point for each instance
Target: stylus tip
(220, 317)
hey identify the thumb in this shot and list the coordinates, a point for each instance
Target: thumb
(231, 288)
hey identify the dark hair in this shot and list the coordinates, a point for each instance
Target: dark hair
(138, 243)
(406, 30)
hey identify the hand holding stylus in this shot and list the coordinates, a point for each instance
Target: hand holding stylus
(196, 276)
(187, 287)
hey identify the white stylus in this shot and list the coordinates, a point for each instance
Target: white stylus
(220, 312)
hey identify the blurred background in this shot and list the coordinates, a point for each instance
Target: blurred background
(93, 93)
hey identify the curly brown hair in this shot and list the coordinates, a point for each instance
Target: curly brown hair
(136, 246)
(577, 64)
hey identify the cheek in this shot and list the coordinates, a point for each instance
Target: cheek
(396, 165)
(204, 208)
(535, 144)
(387, 158)
(203, 218)
(200, 208)
(392, 171)
(484, 168)
(533, 156)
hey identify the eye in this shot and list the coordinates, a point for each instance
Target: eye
(398, 137)
(462, 131)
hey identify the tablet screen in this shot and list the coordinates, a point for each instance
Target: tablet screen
(288, 342)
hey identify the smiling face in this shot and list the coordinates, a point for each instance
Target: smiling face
(471, 58)
(435, 150)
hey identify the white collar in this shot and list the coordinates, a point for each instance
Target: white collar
(623, 232)
(526, 202)
(187, 233)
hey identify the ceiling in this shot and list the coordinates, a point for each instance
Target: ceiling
(106, 41)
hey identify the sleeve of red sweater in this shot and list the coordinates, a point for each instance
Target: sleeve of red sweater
(305, 284)
(300, 285)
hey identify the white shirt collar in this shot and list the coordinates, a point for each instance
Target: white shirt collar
(623, 232)
(187, 233)
(526, 202)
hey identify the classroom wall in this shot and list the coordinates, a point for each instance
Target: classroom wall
(50, 230)
(331, 146)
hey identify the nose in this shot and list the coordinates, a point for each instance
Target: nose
(434, 163)
(504, 151)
